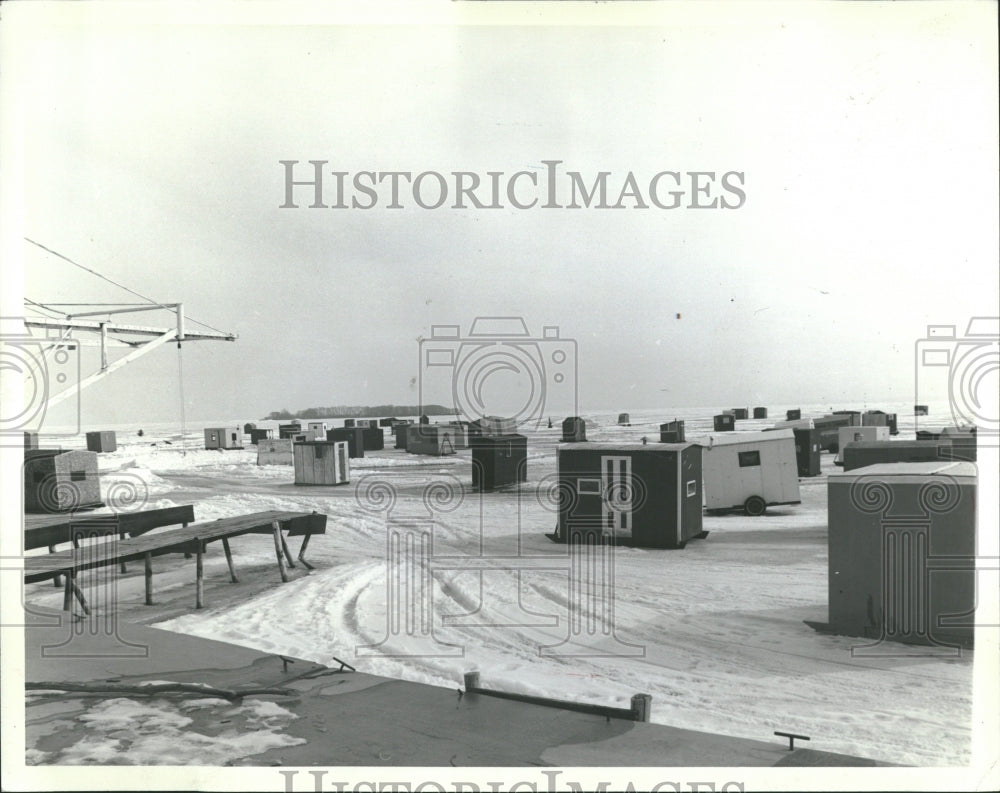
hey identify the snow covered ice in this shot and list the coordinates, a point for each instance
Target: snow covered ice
(714, 632)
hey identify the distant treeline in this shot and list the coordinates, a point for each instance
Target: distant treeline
(361, 411)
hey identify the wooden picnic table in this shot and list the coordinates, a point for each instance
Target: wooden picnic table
(189, 539)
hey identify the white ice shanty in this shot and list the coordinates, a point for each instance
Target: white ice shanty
(750, 471)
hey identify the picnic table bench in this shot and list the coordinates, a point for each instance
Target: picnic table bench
(188, 539)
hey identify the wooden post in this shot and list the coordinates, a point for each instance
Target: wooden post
(124, 569)
(56, 579)
(229, 560)
(277, 550)
(79, 596)
(302, 552)
(288, 553)
(68, 593)
(149, 579)
(199, 591)
(471, 680)
(642, 705)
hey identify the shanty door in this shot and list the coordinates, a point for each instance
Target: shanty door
(616, 481)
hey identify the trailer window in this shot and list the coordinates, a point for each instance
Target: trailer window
(588, 486)
(749, 459)
(692, 488)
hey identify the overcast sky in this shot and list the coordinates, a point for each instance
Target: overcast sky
(866, 137)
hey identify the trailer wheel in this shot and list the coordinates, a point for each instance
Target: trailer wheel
(754, 506)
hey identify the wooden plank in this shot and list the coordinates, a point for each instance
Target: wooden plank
(199, 597)
(229, 560)
(42, 530)
(149, 579)
(45, 566)
(276, 528)
(302, 552)
(284, 549)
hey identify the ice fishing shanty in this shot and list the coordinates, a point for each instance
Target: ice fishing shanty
(290, 429)
(829, 429)
(372, 438)
(258, 435)
(724, 422)
(902, 550)
(847, 435)
(963, 442)
(102, 442)
(760, 413)
(740, 413)
(316, 430)
(793, 414)
(433, 439)
(275, 451)
(877, 418)
(865, 453)
(321, 463)
(492, 426)
(574, 430)
(643, 495)
(623, 419)
(58, 481)
(223, 438)
(399, 431)
(355, 437)
(672, 432)
(499, 461)
(751, 471)
(807, 449)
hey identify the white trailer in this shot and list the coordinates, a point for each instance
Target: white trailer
(846, 435)
(750, 471)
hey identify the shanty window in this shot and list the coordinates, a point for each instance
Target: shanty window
(749, 459)
(78, 476)
(588, 486)
(692, 488)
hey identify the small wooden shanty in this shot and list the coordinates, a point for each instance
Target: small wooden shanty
(223, 438)
(574, 430)
(672, 432)
(499, 461)
(724, 422)
(275, 451)
(321, 463)
(58, 481)
(102, 442)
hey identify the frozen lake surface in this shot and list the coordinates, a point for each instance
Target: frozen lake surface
(714, 632)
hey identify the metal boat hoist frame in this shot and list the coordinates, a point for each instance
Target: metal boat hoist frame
(141, 339)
